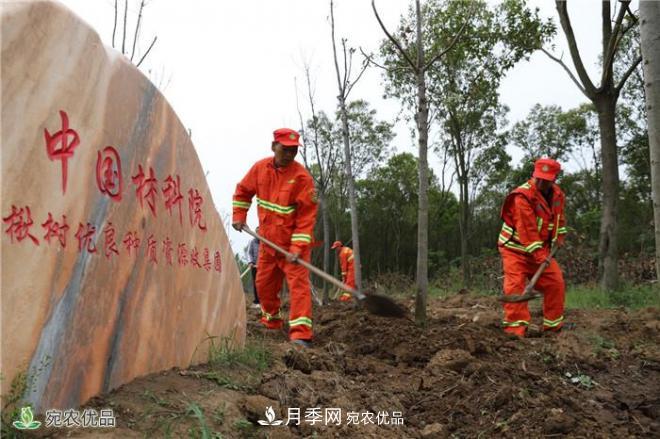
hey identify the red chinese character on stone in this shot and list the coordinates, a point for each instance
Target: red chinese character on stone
(84, 235)
(131, 241)
(65, 150)
(108, 173)
(194, 258)
(207, 260)
(182, 254)
(172, 192)
(217, 262)
(168, 250)
(146, 188)
(109, 244)
(55, 229)
(195, 209)
(19, 226)
(151, 249)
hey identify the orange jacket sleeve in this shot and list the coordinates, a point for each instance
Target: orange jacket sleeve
(525, 226)
(306, 207)
(243, 194)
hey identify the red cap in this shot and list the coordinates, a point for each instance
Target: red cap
(546, 169)
(336, 244)
(286, 136)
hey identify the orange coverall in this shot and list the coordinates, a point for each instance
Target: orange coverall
(347, 271)
(530, 227)
(286, 205)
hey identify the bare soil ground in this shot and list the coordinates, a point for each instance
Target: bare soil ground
(458, 377)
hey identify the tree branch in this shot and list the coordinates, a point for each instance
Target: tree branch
(114, 26)
(629, 72)
(612, 44)
(587, 86)
(453, 41)
(570, 74)
(147, 52)
(334, 47)
(123, 39)
(137, 29)
(350, 85)
(393, 40)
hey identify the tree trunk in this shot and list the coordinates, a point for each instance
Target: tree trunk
(464, 227)
(326, 244)
(607, 249)
(352, 198)
(650, 38)
(423, 206)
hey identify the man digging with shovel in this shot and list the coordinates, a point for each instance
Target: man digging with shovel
(286, 205)
(534, 222)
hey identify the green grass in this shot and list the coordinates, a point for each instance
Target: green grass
(254, 355)
(590, 297)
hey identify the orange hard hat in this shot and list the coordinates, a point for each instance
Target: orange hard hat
(336, 244)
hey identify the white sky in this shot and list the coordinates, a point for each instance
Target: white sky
(228, 67)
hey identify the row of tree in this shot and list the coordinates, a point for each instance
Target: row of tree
(445, 62)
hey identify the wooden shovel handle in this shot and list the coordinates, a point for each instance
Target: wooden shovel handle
(306, 264)
(540, 270)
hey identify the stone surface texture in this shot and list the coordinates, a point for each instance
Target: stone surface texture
(115, 262)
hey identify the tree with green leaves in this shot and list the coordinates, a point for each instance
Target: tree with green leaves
(463, 86)
(409, 55)
(604, 97)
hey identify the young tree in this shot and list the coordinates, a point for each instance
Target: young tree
(136, 33)
(604, 97)
(412, 61)
(463, 89)
(650, 36)
(321, 156)
(345, 84)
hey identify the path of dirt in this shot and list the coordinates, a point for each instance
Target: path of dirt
(459, 377)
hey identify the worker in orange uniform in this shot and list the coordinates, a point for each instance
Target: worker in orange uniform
(345, 255)
(533, 216)
(286, 205)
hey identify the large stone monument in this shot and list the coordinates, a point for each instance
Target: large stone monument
(115, 262)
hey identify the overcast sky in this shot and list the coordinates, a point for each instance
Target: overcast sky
(228, 68)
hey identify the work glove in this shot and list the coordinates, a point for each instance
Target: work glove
(238, 225)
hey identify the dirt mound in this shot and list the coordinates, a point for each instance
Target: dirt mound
(458, 376)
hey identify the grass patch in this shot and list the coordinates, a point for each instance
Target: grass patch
(254, 355)
(590, 297)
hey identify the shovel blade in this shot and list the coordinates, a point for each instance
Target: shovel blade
(382, 306)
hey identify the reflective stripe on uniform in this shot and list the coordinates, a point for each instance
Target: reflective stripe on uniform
(241, 204)
(304, 321)
(285, 210)
(514, 324)
(271, 317)
(553, 323)
(301, 237)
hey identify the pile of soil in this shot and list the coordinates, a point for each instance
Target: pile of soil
(460, 376)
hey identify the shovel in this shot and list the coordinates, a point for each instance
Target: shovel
(375, 304)
(529, 294)
(245, 272)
